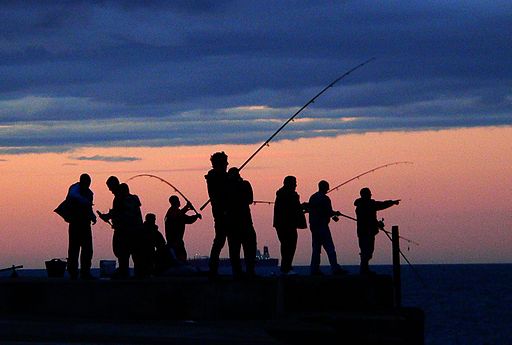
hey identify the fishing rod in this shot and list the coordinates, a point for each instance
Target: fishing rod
(263, 202)
(388, 234)
(381, 227)
(367, 172)
(170, 185)
(312, 100)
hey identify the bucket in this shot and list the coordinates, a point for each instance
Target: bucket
(107, 267)
(55, 268)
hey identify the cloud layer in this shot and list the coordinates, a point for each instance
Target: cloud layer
(105, 73)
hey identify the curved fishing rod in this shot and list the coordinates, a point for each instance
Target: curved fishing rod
(170, 185)
(312, 100)
(367, 172)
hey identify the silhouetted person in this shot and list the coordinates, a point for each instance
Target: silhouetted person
(148, 244)
(368, 225)
(126, 219)
(132, 226)
(320, 214)
(216, 182)
(241, 232)
(80, 198)
(114, 217)
(175, 222)
(288, 217)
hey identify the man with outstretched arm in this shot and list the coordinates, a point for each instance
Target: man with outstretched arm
(175, 222)
(368, 225)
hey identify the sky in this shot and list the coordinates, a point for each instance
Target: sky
(113, 87)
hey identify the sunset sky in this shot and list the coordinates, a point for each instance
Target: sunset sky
(117, 88)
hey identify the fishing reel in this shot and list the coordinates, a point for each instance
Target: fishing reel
(336, 217)
(380, 224)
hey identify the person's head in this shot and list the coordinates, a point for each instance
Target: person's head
(323, 186)
(112, 183)
(290, 182)
(219, 161)
(151, 218)
(85, 181)
(174, 201)
(234, 173)
(123, 189)
(365, 193)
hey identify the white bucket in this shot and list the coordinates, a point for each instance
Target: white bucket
(107, 267)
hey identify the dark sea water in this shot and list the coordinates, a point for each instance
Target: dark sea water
(463, 304)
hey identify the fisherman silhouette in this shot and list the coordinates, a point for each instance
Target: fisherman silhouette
(241, 233)
(132, 223)
(148, 244)
(80, 199)
(175, 221)
(288, 217)
(114, 217)
(368, 226)
(320, 214)
(216, 182)
(127, 222)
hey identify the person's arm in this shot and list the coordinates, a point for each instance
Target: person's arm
(190, 219)
(92, 216)
(382, 205)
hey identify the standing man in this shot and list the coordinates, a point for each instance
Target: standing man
(288, 217)
(80, 198)
(217, 184)
(121, 241)
(132, 225)
(320, 214)
(240, 227)
(175, 221)
(368, 225)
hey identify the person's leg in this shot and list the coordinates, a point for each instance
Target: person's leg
(330, 249)
(218, 244)
(87, 251)
(316, 246)
(181, 252)
(288, 239)
(366, 245)
(281, 235)
(249, 245)
(73, 250)
(122, 252)
(291, 247)
(235, 246)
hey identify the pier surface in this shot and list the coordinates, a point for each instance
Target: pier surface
(194, 310)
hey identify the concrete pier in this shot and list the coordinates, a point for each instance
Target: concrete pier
(270, 309)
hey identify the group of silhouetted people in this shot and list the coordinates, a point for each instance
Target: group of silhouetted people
(133, 237)
(230, 196)
(289, 216)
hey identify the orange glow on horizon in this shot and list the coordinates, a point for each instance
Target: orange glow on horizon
(452, 196)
